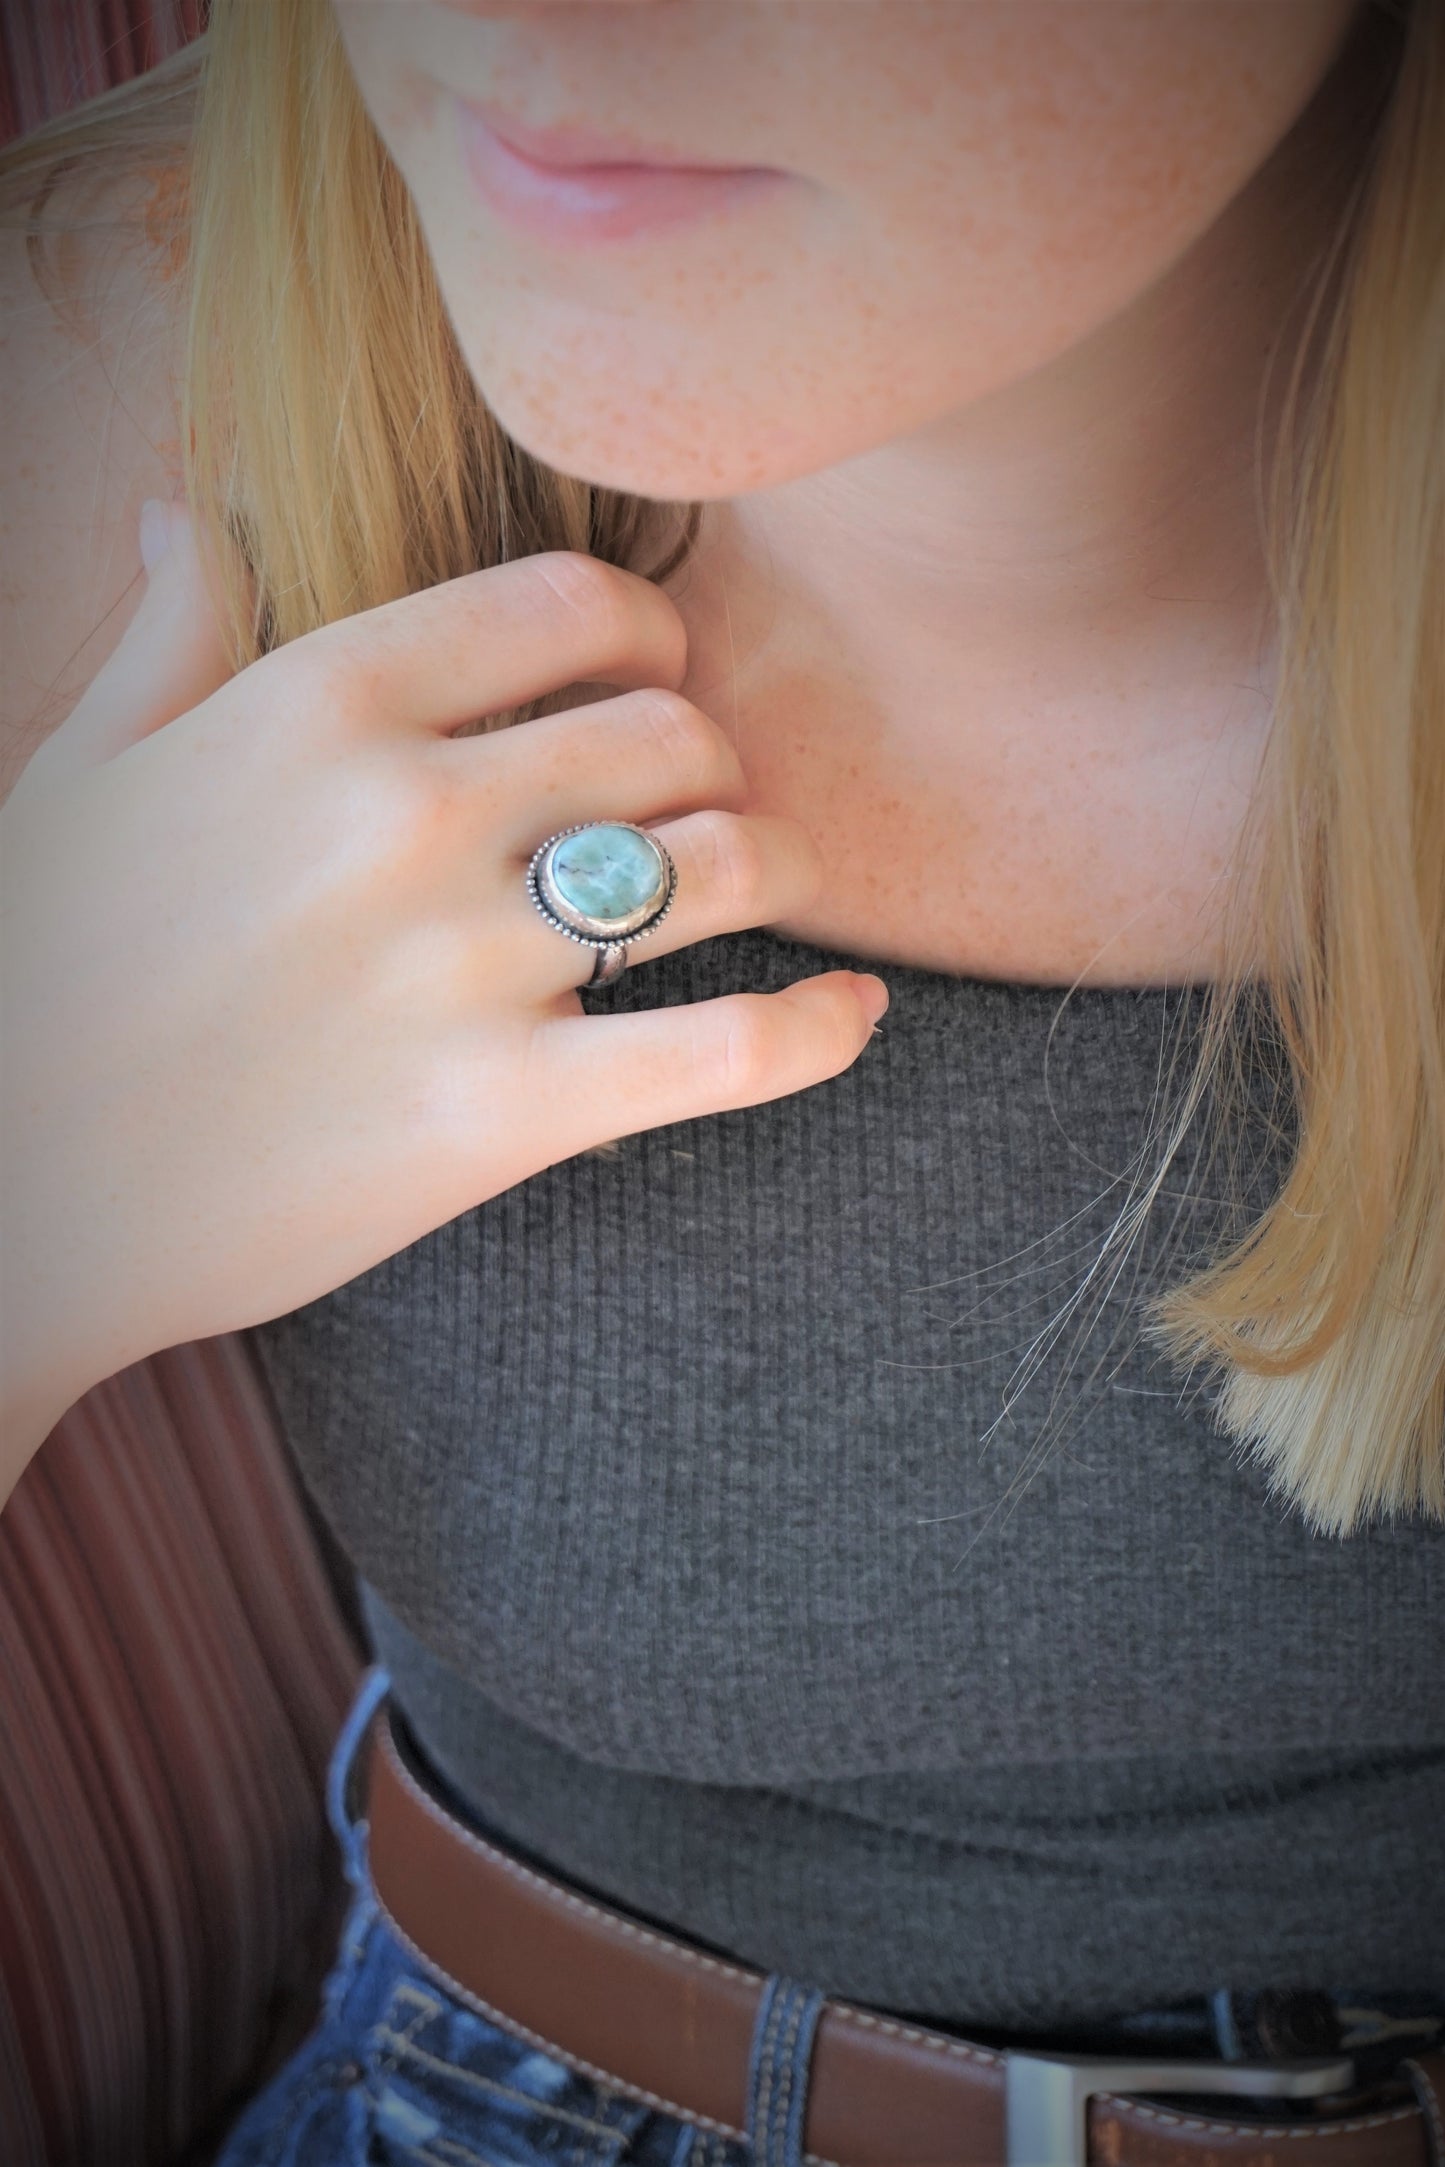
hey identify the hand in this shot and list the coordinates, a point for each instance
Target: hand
(276, 1002)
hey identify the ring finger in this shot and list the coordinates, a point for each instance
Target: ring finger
(733, 870)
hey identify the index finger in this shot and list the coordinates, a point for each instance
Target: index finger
(496, 638)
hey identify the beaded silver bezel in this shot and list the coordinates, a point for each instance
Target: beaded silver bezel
(580, 925)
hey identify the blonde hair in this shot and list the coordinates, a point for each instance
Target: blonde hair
(348, 456)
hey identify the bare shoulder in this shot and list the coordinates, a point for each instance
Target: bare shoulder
(89, 370)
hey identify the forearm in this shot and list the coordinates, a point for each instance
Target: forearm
(48, 1359)
(29, 1410)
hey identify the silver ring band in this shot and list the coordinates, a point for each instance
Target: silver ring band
(611, 963)
(604, 883)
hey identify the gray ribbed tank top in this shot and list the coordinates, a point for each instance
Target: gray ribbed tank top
(747, 1548)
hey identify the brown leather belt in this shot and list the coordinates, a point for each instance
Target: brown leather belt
(671, 2024)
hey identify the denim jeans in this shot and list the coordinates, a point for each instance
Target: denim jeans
(399, 2070)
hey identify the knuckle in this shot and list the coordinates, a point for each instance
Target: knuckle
(402, 809)
(683, 737)
(327, 672)
(742, 1051)
(593, 592)
(727, 859)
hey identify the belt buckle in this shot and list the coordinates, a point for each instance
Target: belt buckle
(1047, 2095)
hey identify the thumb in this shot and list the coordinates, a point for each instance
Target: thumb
(171, 656)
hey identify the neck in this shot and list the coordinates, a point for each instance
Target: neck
(1013, 672)
(1109, 501)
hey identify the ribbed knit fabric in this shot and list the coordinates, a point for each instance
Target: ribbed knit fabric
(779, 1526)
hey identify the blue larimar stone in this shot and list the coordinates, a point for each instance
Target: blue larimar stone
(608, 872)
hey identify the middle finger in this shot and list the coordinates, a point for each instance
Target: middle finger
(640, 756)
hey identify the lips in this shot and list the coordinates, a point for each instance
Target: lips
(584, 146)
(557, 185)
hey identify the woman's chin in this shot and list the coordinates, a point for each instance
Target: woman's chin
(645, 469)
(669, 464)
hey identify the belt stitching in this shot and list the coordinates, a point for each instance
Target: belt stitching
(1260, 2129)
(795, 2017)
(785, 2095)
(551, 1888)
(844, 2010)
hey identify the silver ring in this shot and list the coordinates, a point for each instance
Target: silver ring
(605, 893)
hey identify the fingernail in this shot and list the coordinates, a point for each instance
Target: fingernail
(155, 532)
(872, 993)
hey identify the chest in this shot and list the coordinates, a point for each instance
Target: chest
(984, 828)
